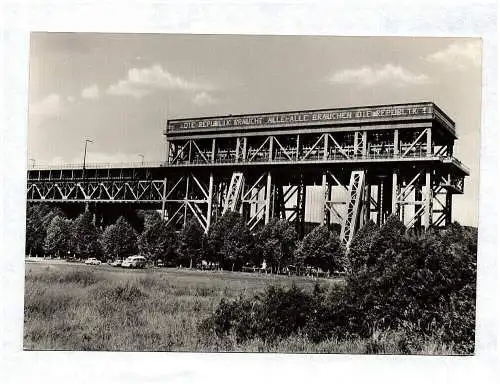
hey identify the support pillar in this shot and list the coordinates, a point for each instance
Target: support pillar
(427, 200)
(448, 207)
(380, 202)
(210, 201)
(167, 153)
(244, 154)
(395, 191)
(297, 152)
(367, 204)
(271, 143)
(163, 198)
(186, 198)
(365, 143)
(429, 142)
(237, 153)
(212, 154)
(268, 198)
(396, 143)
(301, 208)
(326, 188)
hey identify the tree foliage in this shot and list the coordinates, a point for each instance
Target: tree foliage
(35, 231)
(422, 286)
(230, 241)
(276, 242)
(119, 240)
(425, 284)
(321, 248)
(86, 236)
(190, 243)
(59, 237)
(158, 240)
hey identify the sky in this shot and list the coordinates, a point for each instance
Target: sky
(119, 89)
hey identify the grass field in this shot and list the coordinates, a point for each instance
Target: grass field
(78, 307)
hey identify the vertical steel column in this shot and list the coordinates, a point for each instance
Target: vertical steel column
(212, 155)
(163, 198)
(269, 185)
(356, 143)
(244, 154)
(324, 184)
(271, 143)
(365, 143)
(427, 200)
(429, 142)
(297, 156)
(186, 198)
(380, 198)
(210, 200)
(364, 217)
(395, 192)
(167, 151)
(448, 207)
(237, 153)
(396, 147)
(420, 198)
(301, 207)
(268, 198)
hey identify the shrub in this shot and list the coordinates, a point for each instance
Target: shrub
(275, 313)
(422, 287)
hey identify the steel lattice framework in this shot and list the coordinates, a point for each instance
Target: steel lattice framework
(370, 162)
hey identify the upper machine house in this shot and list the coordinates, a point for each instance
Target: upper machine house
(374, 133)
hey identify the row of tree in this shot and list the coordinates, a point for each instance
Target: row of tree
(229, 242)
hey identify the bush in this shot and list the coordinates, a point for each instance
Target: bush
(422, 287)
(424, 284)
(275, 313)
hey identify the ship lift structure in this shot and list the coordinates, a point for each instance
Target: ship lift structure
(368, 162)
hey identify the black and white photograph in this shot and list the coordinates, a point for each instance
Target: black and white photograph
(252, 193)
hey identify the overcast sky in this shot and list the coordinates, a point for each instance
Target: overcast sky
(119, 89)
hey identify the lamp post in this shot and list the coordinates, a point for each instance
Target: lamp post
(142, 158)
(85, 152)
(32, 163)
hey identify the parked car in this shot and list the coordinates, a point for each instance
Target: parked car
(92, 261)
(116, 263)
(159, 263)
(134, 262)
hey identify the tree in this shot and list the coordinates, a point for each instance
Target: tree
(158, 240)
(35, 231)
(119, 240)
(361, 246)
(86, 236)
(59, 237)
(190, 243)
(230, 241)
(321, 248)
(277, 242)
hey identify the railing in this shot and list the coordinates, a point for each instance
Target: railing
(229, 160)
(79, 166)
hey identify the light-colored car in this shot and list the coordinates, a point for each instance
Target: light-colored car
(116, 263)
(134, 262)
(92, 261)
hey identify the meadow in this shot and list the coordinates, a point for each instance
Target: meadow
(78, 307)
